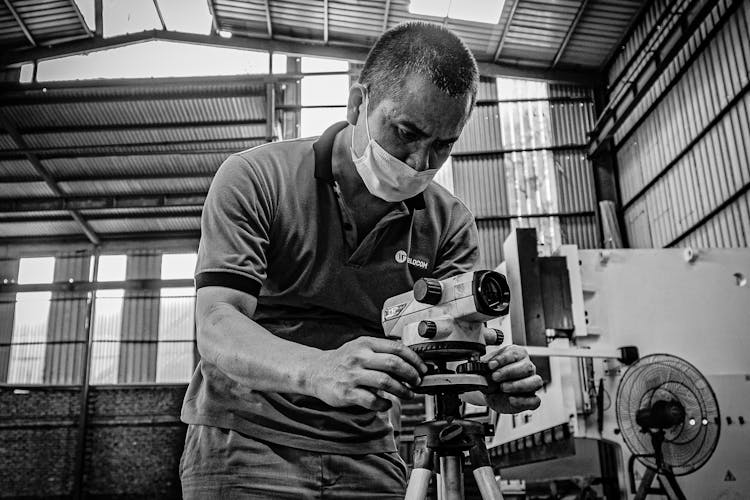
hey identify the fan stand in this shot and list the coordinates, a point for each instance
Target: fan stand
(670, 488)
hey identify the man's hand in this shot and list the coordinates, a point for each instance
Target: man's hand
(358, 372)
(512, 381)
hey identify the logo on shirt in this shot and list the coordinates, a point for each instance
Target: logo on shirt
(402, 257)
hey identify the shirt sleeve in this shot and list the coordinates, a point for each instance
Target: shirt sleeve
(459, 251)
(235, 227)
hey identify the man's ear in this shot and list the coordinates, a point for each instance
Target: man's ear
(353, 106)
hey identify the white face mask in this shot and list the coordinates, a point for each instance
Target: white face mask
(384, 175)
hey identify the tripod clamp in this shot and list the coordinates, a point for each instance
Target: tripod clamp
(448, 437)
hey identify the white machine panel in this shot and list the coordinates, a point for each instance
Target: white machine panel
(691, 304)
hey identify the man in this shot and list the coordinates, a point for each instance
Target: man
(302, 241)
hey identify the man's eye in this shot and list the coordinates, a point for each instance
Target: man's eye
(406, 135)
(444, 146)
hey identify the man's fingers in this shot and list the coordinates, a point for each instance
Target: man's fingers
(513, 371)
(394, 366)
(381, 381)
(527, 385)
(507, 355)
(398, 349)
(524, 402)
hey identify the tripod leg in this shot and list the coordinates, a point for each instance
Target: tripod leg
(419, 480)
(488, 487)
(452, 478)
(483, 473)
(671, 487)
(648, 478)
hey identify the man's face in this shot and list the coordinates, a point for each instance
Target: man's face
(419, 127)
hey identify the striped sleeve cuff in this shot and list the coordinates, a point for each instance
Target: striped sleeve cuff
(228, 280)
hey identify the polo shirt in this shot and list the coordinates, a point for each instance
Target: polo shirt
(275, 225)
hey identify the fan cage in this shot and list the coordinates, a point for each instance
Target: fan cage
(687, 446)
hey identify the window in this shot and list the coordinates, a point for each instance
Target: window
(175, 360)
(29, 336)
(107, 324)
(154, 59)
(323, 97)
(530, 173)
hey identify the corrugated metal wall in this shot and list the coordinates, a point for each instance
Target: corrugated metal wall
(140, 321)
(682, 153)
(66, 328)
(522, 153)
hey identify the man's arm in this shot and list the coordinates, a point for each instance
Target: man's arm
(354, 374)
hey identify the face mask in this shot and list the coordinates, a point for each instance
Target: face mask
(384, 175)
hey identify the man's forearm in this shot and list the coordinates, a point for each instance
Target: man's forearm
(251, 355)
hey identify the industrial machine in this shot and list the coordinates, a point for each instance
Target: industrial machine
(646, 365)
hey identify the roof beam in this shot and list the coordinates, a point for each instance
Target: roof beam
(20, 22)
(98, 18)
(386, 14)
(571, 30)
(178, 240)
(117, 176)
(137, 126)
(315, 48)
(81, 19)
(95, 214)
(42, 172)
(501, 43)
(350, 52)
(269, 26)
(159, 13)
(24, 205)
(212, 11)
(125, 149)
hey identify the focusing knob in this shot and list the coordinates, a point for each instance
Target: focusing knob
(427, 329)
(428, 291)
(477, 367)
(499, 336)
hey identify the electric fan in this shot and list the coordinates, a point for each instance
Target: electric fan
(669, 418)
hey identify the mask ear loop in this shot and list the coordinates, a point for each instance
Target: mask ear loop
(365, 96)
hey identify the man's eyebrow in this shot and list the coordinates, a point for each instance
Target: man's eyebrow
(414, 128)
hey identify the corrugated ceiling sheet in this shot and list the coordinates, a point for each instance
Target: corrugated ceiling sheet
(600, 28)
(33, 189)
(538, 28)
(136, 186)
(39, 228)
(143, 225)
(7, 142)
(47, 21)
(17, 168)
(144, 136)
(535, 34)
(132, 112)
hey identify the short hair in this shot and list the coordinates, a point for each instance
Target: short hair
(426, 49)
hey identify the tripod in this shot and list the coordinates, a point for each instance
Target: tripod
(447, 437)
(670, 488)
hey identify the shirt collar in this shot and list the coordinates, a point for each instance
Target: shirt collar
(323, 148)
